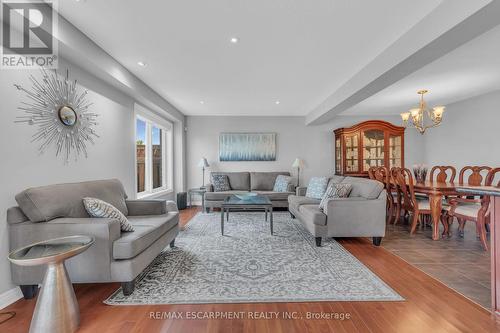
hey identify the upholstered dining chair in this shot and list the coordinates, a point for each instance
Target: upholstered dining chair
(474, 209)
(474, 176)
(409, 202)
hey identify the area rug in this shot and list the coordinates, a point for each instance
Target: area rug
(249, 265)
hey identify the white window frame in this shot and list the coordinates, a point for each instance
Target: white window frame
(153, 120)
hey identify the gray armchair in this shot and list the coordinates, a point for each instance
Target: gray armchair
(362, 214)
(57, 210)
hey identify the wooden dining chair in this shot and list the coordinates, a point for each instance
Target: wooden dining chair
(473, 176)
(443, 173)
(409, 202)
(382, 175)
(474, 209)
(395, 195)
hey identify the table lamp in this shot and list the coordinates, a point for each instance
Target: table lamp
(299, 164)
(203, 164)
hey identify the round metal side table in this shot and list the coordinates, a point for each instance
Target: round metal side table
(56, 309)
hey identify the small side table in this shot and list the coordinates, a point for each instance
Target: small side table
(198, 191)
(56, 309)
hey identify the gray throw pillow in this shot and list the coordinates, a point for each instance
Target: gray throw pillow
(282, 182)
(316, 187)
(334, 191)
(99, 208)
(220, 183)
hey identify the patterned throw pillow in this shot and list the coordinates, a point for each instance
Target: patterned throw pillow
(316, 187)
(99, 208)
(220, 183)
(281, 183)
(341, 190)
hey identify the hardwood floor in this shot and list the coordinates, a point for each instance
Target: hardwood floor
(429, 306)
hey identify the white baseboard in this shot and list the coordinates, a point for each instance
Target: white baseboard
(10, 296)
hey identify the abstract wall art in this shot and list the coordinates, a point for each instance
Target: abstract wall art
(247, 147)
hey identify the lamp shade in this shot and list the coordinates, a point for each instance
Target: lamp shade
(203, 163)
(298, 163)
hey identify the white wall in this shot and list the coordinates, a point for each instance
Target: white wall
(469, 134)
(314, 144)
(111, 157)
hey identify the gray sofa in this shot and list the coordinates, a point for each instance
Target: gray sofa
(362, 214)
(244, 182)
(53, 211)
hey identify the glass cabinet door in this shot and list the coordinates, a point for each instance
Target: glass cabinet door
(373, 149)
(351, 153)
(338, 156)
(395, 151)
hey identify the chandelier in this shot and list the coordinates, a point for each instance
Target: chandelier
(416, 117)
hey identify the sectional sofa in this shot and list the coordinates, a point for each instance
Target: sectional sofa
(244, 182)
(362, 214)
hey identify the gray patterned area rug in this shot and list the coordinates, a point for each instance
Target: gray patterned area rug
(248, 265)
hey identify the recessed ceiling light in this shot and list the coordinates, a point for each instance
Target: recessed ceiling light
(141, 63)
(202, 102)
(277, 102)
(234, 40)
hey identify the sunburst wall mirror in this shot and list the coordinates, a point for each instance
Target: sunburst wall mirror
(60, 110)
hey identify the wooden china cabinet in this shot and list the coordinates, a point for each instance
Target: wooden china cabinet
(367, 144)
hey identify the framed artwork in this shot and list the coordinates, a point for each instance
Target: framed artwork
(247, 147)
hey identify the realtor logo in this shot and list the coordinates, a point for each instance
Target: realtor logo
(28, 29)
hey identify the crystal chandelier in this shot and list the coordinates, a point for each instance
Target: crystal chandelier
(417, 115)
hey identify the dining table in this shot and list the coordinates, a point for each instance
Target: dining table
(436, 191)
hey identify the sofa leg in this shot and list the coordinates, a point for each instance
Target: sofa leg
(292, 216)
(29, 290)
(377, 241)
(128, 287)
(172, 243)
(318, 241)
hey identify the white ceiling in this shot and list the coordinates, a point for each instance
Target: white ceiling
(296, 52)
(470, 70)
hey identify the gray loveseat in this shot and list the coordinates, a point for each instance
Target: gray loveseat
(244, 182)
(362, 214)
(53, 211)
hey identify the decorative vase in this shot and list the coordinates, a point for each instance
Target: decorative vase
(420, 172)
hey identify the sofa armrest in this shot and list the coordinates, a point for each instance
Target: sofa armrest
(146, 207)
(356, 216)
(171, 206)
(301, 191)
(92, 265)
(209, 187)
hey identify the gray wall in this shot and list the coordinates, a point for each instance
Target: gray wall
(469, 134)
(111, 157)
(314, 144)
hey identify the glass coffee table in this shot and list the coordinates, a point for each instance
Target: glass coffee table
(251, 203)
(56, 309)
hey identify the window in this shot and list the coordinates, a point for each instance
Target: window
(153, 137)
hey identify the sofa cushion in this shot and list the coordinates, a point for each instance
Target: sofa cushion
(147, 230)
(275, 196)
(220, 183)
(335, 180)
(264, 181)
(335, 191)
(316, 187)
(282, 183)
(65, 200)
(312, 214)
(237, 180)
(220, 196)
(295, 201)
(102, 209)
(363, 187)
